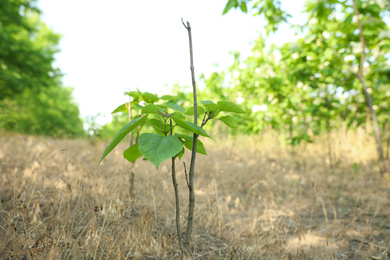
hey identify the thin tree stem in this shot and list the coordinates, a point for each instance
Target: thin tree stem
(194, 146)
(130, 119)
(132, 173)
(177, 199)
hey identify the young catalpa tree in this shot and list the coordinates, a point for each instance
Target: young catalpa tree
(172, 133)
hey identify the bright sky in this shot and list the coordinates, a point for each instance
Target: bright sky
(111, 46)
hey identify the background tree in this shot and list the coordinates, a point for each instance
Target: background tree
(27, 49)
(52, 112)
(32, 98)
(338, 60)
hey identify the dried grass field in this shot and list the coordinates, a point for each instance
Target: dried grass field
(255, 199)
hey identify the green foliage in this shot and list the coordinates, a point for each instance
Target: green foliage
(189, 126)
(270, 9)
(157, 148)
(235, 4)
(229, 107)
(188, 139)
(52, 112)
(122, 133)
(190, 111)
(300, 88)
(27, 49)
(229, 121)
(307, 86)
(32, 98)
(164, 116)
(132, 153)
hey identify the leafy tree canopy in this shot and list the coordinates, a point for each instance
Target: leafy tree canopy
(50, 112)
(32, 98)
(27, 49)
(312, 84)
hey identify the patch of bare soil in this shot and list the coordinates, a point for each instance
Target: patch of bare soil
(255, 199)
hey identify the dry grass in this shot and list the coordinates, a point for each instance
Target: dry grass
(255, 200)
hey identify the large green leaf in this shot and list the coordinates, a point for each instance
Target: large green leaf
(158, 125)
(188, 140)
(151, 109)
(167, 97)
(136, 95)
(204, 102)
(174, 106)
(190, 111)
(184, 136)
(190, 127)
(199, 146)
(121, 108)
(229, 121)
(228, 106)
(121, 134)
(230, 4)
(212, 108)
(178, 115)
(136, 106)
(209, 105)
(243, 7)
(132, 153)
(157, 148)
(348, 20)
(149, 97)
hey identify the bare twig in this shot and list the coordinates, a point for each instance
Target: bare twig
(204, 117)
(184, 23)
(62, 179)
(205, 120)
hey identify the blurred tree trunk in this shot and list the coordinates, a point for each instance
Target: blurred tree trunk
(367, 95)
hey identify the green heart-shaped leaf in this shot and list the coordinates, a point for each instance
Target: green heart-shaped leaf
(157, 148)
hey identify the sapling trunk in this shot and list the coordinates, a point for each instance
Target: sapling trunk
(130, 119)
(194, 145)
(177, 199)
(131, 190)
(131, 179)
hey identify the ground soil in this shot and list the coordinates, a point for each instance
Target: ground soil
(256, 198)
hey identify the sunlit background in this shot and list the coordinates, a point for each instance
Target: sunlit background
(108, 48)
